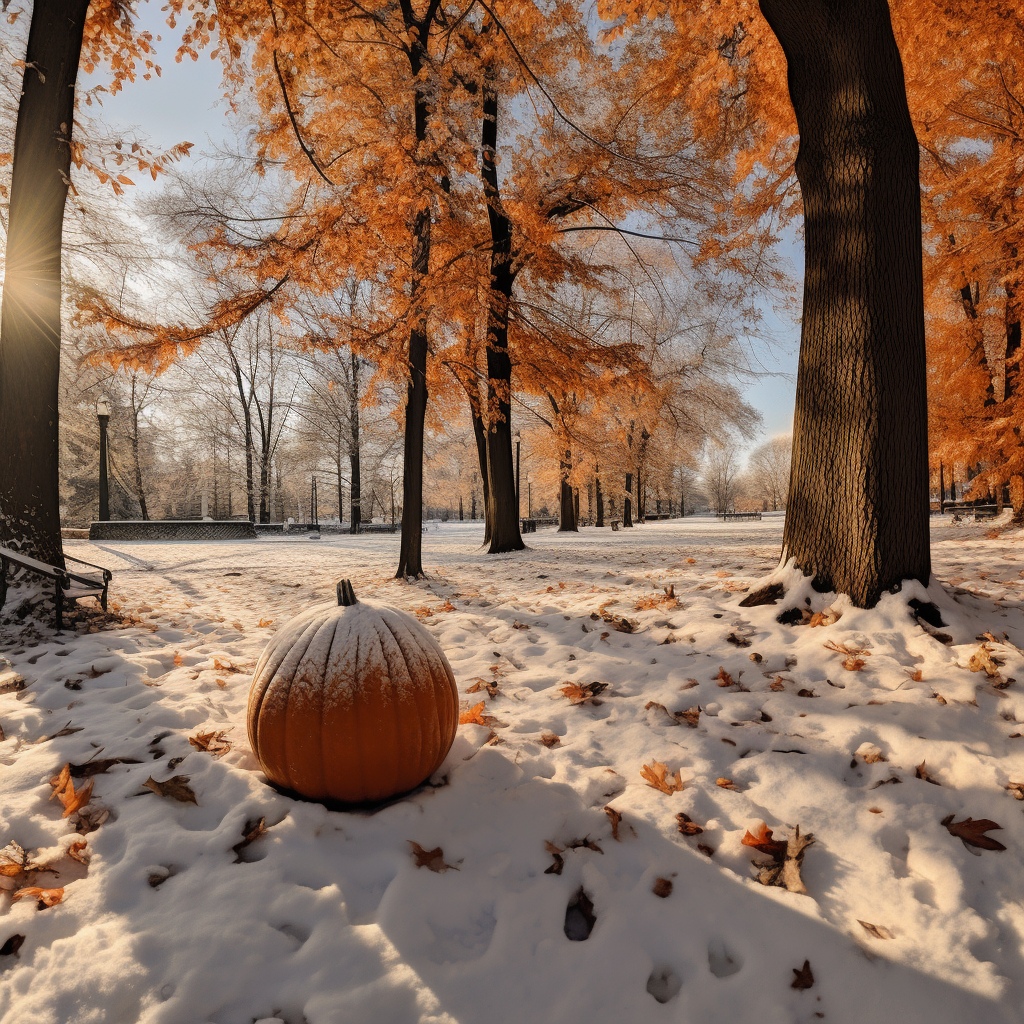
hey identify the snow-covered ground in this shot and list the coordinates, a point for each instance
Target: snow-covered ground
(328, 918)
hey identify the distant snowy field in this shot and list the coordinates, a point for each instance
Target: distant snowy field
(327, 917)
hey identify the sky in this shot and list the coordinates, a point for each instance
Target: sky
(185, 104)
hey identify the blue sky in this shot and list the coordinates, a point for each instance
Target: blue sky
(185, 105)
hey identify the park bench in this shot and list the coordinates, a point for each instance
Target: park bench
(68, 585)
(740, 515)
(528, 526)
(379, 528)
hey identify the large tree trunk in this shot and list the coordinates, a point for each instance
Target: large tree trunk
(410, 560)
(501, 505)
(30, 315)
(857, 515)
(353, 449)
(140, 491)
(566, 505)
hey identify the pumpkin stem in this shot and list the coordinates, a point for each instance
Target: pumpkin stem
(346, 595)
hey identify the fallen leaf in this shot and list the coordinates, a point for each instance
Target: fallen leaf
(215, 743)
(586, 843)
(176, 787)
(939, 698)
(723, 677)
(876, 930)
(806, 693)
(893, 780)
(615, 817)
(12, 859)
(559, 861)
(708, 851)
(972, 832)
(853, 664)
(12, 945)
(64, 791)
(475, 716)
(433, 860)
(846, 649)
(763, 842)
(777, 685)
(869, 753)
(519, 625)
(263, 623)
(1017, 789)
(662, 887)
(90, 768)
(915, 676)
(68, 730)
(804, 978)
(46, 897)
(737, 640)
(691, 561)
(691, 716)
(578, 695)
(549, 739)
(687, 826)
(657, 776)
(785, 872)
(921, 773)
(178, 660)
(255, 828)
(983, 661)
(726, 784)
(76, 851)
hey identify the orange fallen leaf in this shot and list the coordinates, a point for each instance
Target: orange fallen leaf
(178, 660)
(588, 692)
(763, 842)
(76, 851)
(263, 623)
(46, 897)
(64, 791)
(475, 716)
(549, 739)
(726, 784)
(723, 677)
(657, 776)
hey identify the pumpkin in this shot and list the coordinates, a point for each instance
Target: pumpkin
(352, 702)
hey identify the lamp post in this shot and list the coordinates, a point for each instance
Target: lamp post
(519, 507)
(103, 415)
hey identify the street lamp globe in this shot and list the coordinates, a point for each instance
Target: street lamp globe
(103, 406)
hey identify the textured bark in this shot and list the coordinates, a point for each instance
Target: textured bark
(501, 507)
(30, 315)
(627, 502)
(857, 515)
(354, 488)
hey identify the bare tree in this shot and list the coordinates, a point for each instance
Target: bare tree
(719, 477)
(768, 470)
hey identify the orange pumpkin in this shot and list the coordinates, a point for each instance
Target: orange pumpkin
(352, 702)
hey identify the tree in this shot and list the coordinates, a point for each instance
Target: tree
(768, 467)
(720, 477)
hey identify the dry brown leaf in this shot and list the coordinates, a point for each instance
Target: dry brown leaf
(178, 660)
(853, 664)
(763, 842)
(723, 677)
(225, 666)
(46, 897)
(64, 790)
(922, 773)
(657, 776)
(446, 607)
(737, 640)
(176, 788)
(255, 828)
(914, 675)
(662, 887)
(846, 649)
(1017, 789)
(878, 931)
(687, 825)
(726, 784)
(973, 832)
(691, 716)
(804, 978)
(708, 851)
(215, 743)
(433, 860)
(558, 862)
(549, 739)
(691, 561)
(12, 945)
(777, 685)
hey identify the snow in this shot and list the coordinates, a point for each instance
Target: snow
(327, 918)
